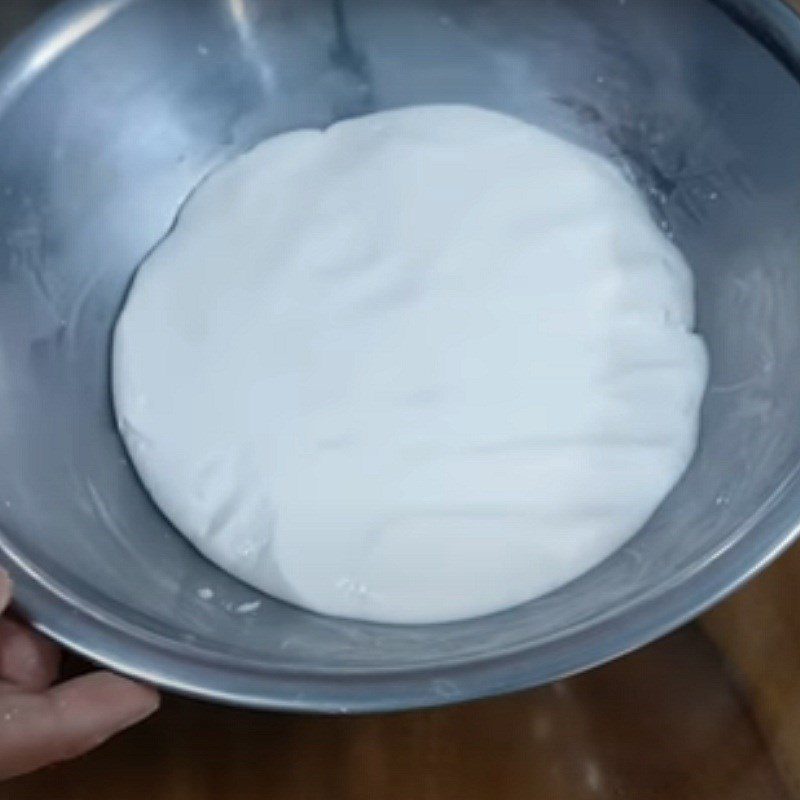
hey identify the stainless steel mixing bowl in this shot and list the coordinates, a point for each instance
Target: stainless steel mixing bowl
(111, 111)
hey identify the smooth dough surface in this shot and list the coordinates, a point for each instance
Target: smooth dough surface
(424, 365)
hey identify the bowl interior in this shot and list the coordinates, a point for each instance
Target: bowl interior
(113, 111)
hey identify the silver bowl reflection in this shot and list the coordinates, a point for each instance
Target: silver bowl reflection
(111, 111)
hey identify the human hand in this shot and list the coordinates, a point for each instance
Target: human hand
(41, 724)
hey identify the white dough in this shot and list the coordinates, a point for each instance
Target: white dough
(421, 366)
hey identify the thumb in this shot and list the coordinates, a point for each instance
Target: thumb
(5, 589)
(67, 720)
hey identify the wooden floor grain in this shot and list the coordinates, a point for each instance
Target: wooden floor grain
(666, 723)
(758, 630)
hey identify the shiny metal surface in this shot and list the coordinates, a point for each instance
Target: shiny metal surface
(111, 111)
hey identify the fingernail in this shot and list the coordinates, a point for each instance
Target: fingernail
(144, 711)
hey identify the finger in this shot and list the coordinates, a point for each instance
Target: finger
(27, 659)
(5, 589)
(68, 720)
